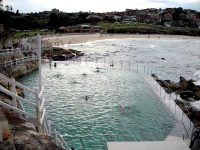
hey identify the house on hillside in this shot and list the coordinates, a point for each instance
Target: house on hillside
(80, 29)
(89, 28)
(142, 18)
(168, 17)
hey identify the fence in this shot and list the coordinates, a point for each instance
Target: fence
(18, 61)
(168, 99)
(39, 120)
(8, 51)
(58, 138)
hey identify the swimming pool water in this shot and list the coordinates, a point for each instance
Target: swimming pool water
(90, 124)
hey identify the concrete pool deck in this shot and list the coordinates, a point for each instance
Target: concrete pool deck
(153, 145)
(184, 127)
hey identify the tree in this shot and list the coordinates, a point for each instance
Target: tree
(1, 5)
(6, 20)
(53, 20)
(7, 7)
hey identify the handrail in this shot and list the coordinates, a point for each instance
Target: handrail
(43, 114)
(60, 141)
(16, 61)
(42, 105)
(44, 125)
(16, 96)
(41, 92)
(162, 93)
(16, 83)
(17, 110)
(3, 51)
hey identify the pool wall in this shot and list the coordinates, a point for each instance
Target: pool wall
(184, 127)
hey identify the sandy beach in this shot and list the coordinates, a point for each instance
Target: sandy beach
(83, 38)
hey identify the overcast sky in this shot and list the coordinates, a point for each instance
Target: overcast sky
(27, 6)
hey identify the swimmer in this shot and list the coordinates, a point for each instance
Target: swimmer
(86, 98)
(121, 108)
(55, 65)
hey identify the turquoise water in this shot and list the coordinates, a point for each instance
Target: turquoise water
(90, 124)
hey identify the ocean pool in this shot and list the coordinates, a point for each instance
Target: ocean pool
(90, 124)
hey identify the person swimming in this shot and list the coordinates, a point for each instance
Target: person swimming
(121, 108)
(86, 98)
(55, 65)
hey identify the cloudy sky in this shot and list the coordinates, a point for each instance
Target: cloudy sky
(26, 6)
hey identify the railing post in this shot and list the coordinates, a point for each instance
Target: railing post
(169, 99)
(13, 90)
(164, 95)
(160, 90)
(156, 85)
(192, 132)
(153, 81)
(39, 60)
(49, 127)
(1, 138)
(175, 108)
(55, 137)
(38, 115)
(182, 116)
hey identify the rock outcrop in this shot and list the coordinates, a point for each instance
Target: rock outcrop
(189, 93)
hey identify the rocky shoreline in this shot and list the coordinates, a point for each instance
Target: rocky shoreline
(190, 95)
(61, 54)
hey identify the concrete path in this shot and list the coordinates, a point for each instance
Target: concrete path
(153, 145)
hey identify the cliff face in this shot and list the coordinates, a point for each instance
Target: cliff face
(6, 37)
(21, 135)
(16, 69)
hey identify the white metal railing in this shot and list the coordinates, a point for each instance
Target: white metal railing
(18, 60)
(7, 51)
(1, 137)
(39, 119)
(168, 100)
(60, 141)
